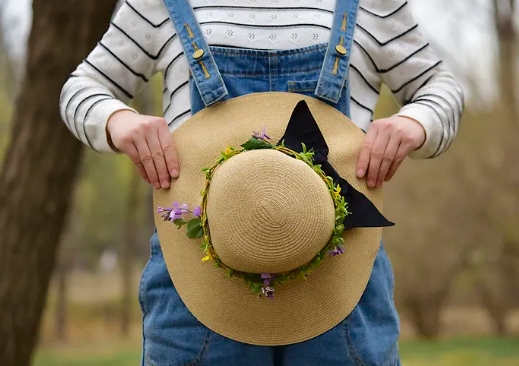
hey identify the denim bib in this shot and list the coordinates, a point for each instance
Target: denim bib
(171, 334)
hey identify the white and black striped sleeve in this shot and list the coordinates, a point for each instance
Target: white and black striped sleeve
(107, 80)
(419, 80)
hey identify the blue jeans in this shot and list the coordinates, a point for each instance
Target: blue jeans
(173, 336)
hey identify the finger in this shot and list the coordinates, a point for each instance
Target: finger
(377, 153)
(131, 151)
(387, 159)
(158, 157)
(170, 152)
(147, 161)
(399, 158)
(365, 152)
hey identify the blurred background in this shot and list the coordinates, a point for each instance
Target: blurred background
(455, 248)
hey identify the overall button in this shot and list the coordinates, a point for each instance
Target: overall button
(198, 54)
(341, 50)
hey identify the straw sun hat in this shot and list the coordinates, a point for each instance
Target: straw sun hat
(268, 236)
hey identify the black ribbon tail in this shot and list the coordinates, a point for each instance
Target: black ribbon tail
(303, 129)
(363, 212)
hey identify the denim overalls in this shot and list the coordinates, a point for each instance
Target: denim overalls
(171, 334)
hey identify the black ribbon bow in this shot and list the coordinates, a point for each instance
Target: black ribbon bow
(303, 129)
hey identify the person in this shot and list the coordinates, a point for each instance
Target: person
(257, 47)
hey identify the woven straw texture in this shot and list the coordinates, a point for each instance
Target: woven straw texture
(269, 213)
(265, 236)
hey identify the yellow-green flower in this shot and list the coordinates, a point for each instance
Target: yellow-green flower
(208, 257)
(337, 192)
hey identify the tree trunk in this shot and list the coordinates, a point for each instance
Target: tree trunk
(425, 313)
(40, 168)
(494, 303)
(61, 313)
(507, 48)
(507, 38)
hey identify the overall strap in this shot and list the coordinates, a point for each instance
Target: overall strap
(337, 59)
(201, 62)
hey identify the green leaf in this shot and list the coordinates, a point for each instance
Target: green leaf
(255, 144)
(194, 228)
(179, 222)
(255, 287)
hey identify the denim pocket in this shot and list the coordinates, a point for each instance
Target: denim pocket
(306, 87)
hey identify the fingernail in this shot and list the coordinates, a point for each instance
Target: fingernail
(174, 173)
(371, 183)
(165, 184)
(360, 173)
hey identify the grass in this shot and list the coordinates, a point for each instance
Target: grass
(93, 355)
(451, 352)
(461, 352)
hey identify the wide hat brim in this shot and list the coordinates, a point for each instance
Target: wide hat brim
(302, 309)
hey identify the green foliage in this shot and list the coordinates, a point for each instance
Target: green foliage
(255, 144)
(97, 219)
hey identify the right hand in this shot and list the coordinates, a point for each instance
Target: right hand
(148, 143)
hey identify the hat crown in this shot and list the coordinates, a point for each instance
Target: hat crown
(268, 212)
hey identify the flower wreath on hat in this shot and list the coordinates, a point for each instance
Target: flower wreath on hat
(303, 141)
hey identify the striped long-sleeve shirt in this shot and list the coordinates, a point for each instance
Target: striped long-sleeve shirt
(388, 49)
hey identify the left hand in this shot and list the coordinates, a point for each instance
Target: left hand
(386, 145)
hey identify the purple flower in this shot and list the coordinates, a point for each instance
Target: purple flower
(179, 210)
(165, 213)
(175, 216)
(268, 292)
(338, 250)
(267, 278)
(263, 136)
